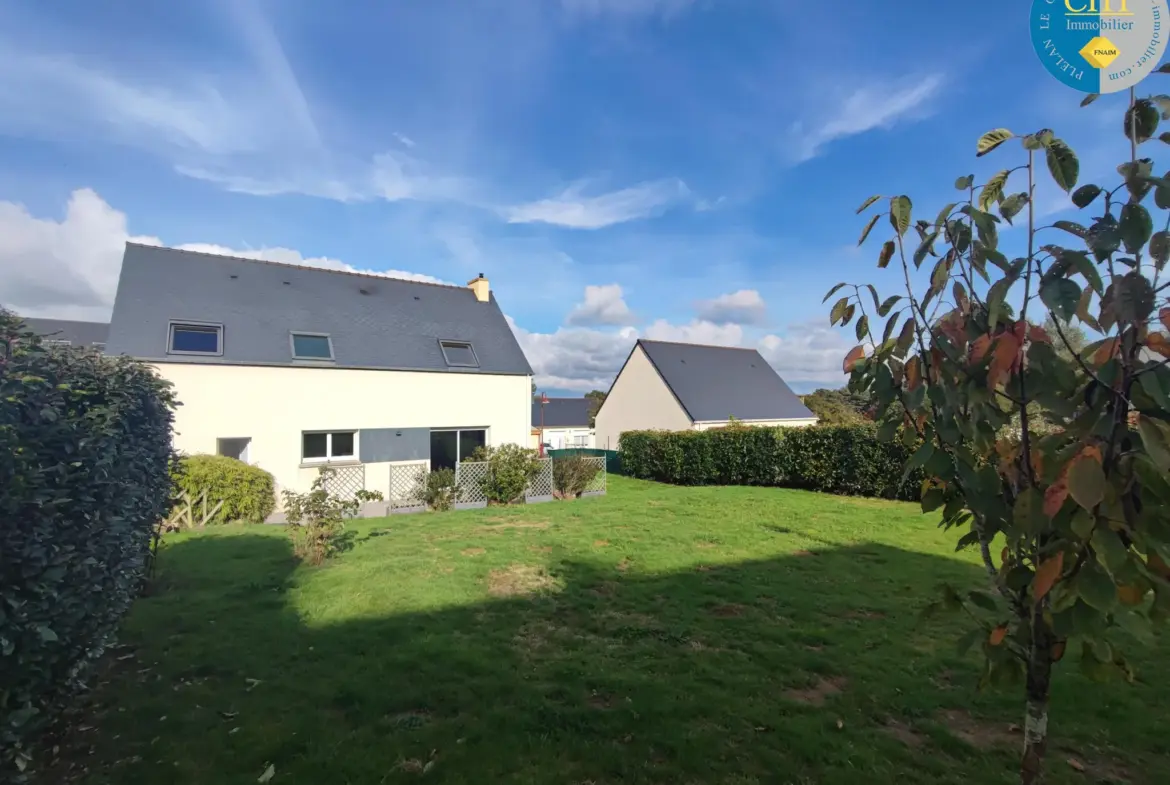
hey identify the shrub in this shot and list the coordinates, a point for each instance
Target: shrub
(510, 467)
(834, 459)
(572, 475)
(438, 489)
(248, 492)
(85, 446)
(316, 520)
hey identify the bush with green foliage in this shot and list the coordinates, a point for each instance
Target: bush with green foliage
(316, 519)
(509, 469)
(248, 492)
(836, 407)
(85, 448)
(438, 489)
(572, 475)
(833, 459)
(1057, 453)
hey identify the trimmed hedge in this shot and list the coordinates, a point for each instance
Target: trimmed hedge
(85, 447)
(248, 492)
(846, 460)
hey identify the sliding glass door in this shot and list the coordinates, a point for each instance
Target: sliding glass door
(450, 446)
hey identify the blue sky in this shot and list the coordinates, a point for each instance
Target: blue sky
(677, 169)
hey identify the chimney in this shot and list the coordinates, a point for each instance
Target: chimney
(481, 287)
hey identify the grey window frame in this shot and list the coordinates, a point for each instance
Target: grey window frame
(99, 345)
(181, 323)
(456, 342)
(329, 456)
(292, 345)
(58, 342)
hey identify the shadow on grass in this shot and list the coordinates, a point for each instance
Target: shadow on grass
(808, 668)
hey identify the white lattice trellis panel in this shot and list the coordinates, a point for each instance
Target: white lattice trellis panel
(596, 486)
(346, 481)
(469, 478)
(407, 482)
(540, 487)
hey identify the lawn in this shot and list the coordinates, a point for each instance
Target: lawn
(656, 635)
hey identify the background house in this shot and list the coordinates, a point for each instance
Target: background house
(565, 422)
(678, 386)
(291, 368)
(70, 333)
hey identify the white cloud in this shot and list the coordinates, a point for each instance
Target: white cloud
(808, 352)
(743, 307)
(68, 268)
(573, 210)
(866, 108)
(573, 359)
(602, 305)
(697, 331)
(404, 140)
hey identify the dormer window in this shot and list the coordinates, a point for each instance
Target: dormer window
(459, 354)
(311, 346)
(195, 338)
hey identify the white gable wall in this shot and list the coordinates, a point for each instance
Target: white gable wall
(273, 406)
(638, 401)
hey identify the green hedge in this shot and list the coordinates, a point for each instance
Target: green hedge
(248, 492)
(835, 459)
(85, 446)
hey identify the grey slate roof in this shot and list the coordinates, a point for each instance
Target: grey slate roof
(714, 383)
(562, 413)
(77, 333)
(373, 321)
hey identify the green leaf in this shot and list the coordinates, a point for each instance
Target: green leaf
(1084, 196)
(969, 639)
(46, 634)
(833, 291)
(1061, 296)
(924, 248)
(964, 183)
(1165, 136)
(983, 600)
(1109, 549)
(1063, 164)
(1159, 249)
(1096, 588)
(867, 203)
(991, 140)
(992, 192)
(1133, 297)
(920, 457)
(1028, 513)
(1164, 68)
(1086, 482)
(888, 332)
(1012, 205)
(1141, 120)
(887, 304)
(862, 327)
(944, 214)
(900, 209)
(1156, 442)
(905, 338)
(869, 226)
(887, 253)
(1090, 98)
(1072, 227)
(838, 311)
(1162, 193)
(1136, 226)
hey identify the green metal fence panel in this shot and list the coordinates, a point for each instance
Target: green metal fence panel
(613, 459)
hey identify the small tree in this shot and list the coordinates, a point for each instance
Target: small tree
(833, 407)
(1082, 509)
(438, 489)
(572, 475)
(316, 520)
(596, 398)
(510, 467)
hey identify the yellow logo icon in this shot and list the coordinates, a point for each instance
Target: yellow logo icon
(1100, 52)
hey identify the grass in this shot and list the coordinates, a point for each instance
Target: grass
(656, 635)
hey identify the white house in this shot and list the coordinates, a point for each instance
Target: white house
(291, 368)
(65, 332)
(562, 422)
(679, 387)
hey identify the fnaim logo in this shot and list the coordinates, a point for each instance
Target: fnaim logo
(1100, 46)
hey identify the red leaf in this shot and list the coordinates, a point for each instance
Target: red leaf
(1036, 334)
(1055, 495)
(1005, 355)
(997, 635)
(979, 348)
(1047, 575)
(856, 354)
(1158, 343)
(913, 373)
(1164, 315)
(1057, 652)
(1105, 351)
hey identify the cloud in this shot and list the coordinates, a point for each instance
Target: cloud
(697, 331)
(602, 305)
(68, 268)
(866, 108)
(808, 352)
(573, 359)
(742, 307)
(572, 210)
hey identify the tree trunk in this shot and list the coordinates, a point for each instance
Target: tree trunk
(1037, 689)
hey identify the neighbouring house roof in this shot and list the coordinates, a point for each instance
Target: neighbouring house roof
(562, 413)
(372, 321)
(715, 383)
(77, 333)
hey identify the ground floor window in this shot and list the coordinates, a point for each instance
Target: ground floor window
(329, 446)
(448, 447)
(234, 448)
